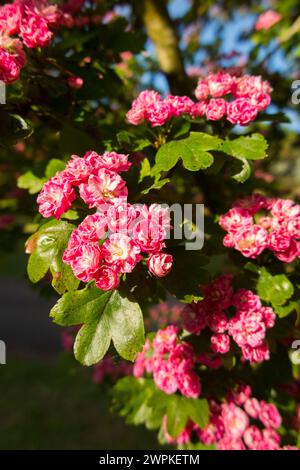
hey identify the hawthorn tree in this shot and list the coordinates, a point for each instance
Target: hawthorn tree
(103, 136)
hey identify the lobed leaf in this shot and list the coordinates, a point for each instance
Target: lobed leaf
(106, 316)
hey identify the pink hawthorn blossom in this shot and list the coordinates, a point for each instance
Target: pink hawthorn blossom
(104, 187)
(236, 219)
(119, 250)
(220, 84)
(241, 111)
(216, 109)
(86, 262)
(158, 113)
(179, 105)
(220, 343)
(56, 197)
(10, 18)
(202, 91)
(199, 109)
(277, 231)
(34, 31)
(160, 264)
(269, 415)
(235, 420)
(195, 317)
(93, 228)
(107, 278)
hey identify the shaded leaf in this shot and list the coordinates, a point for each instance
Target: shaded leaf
(198, 411)
(106, 316)
(245, 148)
(274, 289)
(47, 246)
(177, 416)
(30, 182)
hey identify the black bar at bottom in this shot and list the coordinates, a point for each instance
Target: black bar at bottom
(135, 459)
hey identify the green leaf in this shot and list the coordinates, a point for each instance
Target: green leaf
(250, 266)
(284, 311)
(37, 267)
(80, 306)
(63, 278)
(128, 140)
(177, 415)
(181, 409)
(245, 172)
(47, 246)
(145, 169)
(140, 401)
(70, 215)
(167, 157)
(198, 446)
(111, 314)
(92, 341)
(141, 144)
(133, 399)
(55, 165)
(251, 147)
(158, 184)
(274, 289)
(198, 411)
(180, 129)
(124, 138)
(229, 360)
(30, 182)
(245, 148)
(13, 128)
(194, 152)
(126, 324)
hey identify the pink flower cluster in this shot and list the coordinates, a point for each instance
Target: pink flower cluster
(33, 21)
(96, 176)
(251, 95)
(267, 19)
(125, 231)
(247, 327)
(150, 106)
(257, 223)
(233, 424)
(12, 59)
(171, 361)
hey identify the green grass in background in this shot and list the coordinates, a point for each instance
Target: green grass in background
(55, 405)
